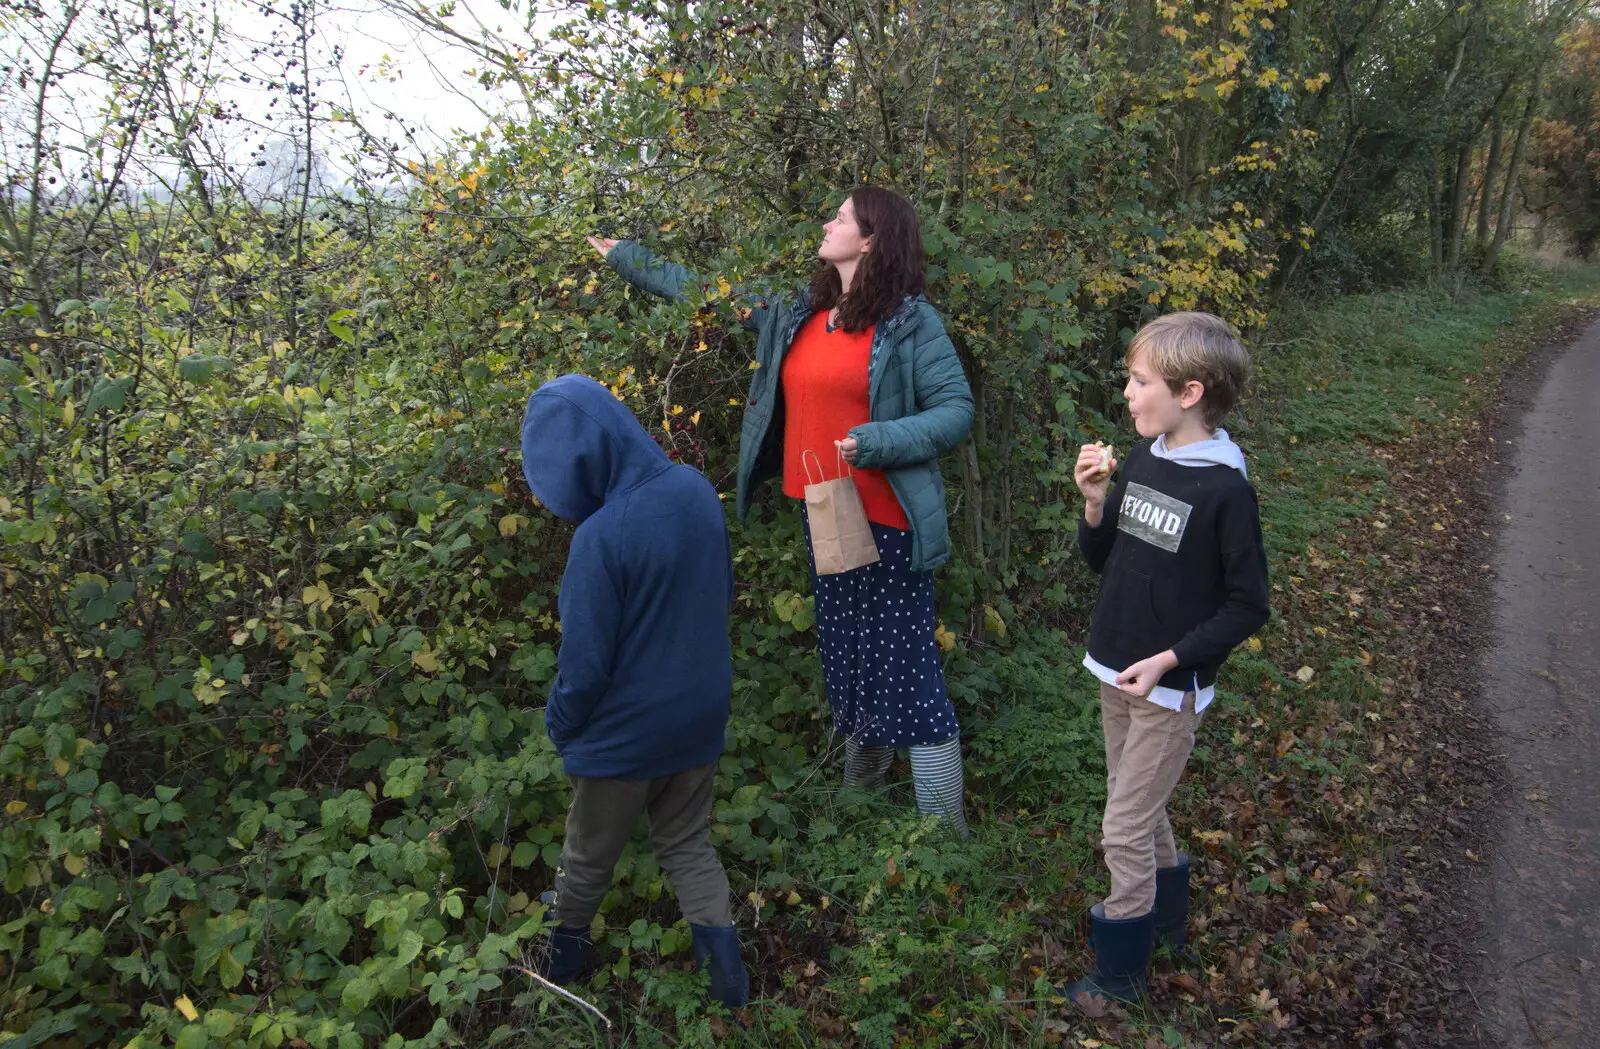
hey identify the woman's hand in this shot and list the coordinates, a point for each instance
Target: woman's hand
(847, 449)
(602, 244)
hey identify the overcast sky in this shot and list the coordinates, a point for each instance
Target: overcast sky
(392, 65)
(388, 65)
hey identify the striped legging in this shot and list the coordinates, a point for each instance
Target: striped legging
(935, 774)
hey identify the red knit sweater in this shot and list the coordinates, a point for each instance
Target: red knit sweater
(824, 395)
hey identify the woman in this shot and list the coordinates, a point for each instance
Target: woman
(859, 364)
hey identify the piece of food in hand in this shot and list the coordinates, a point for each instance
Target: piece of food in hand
(1107, 454)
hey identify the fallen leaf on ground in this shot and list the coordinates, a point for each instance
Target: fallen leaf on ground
(1090, 1004)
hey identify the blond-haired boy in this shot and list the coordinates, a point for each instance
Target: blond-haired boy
(1176, 538)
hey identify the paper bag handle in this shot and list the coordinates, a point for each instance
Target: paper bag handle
(806, 465)
(844, 467)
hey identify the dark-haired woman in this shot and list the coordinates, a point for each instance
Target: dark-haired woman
(859, 364)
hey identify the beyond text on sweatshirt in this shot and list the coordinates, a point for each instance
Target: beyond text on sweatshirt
(1182, 565)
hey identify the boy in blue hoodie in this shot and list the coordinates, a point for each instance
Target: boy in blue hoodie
(640, 702)
(1183, 581)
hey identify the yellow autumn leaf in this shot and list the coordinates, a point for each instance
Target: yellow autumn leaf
(74, 864)
(1305, 674)
(946, 639)
(16, 808)
(425, 661)
(992, 621)
(61, 766)
(794, 898)
(318, 595)
(510, 523)
(1254, 644)
(186, 1007)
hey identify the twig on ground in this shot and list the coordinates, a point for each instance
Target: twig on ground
(563, 992)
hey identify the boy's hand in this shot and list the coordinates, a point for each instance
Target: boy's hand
(602, 244)
(1093, 481)
(1144, 675)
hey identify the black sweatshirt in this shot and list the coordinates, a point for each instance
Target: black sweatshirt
(1182, 566)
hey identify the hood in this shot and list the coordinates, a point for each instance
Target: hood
(1219, 451)
(581, 447)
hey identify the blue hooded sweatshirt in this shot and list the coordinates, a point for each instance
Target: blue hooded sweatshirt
(645, 671)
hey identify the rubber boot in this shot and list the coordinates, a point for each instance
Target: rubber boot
(716, 951)
(568, 950)
(1172, 909)
(1121, 956)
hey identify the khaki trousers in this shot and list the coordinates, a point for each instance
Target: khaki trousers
(600, 822)
(1147, 747)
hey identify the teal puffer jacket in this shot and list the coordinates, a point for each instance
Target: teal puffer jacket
(920, 402)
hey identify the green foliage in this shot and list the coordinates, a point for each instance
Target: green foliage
(279, 612)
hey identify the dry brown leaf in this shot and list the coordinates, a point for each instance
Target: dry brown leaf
(1090, 1004)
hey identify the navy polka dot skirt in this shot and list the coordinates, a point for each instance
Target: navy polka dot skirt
(879, 657)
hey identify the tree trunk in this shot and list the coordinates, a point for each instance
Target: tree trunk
(972, 490)
(1458, 202)
(1435, 219)
(1002, 502)
(1143, 32)
(1322, 206)
(1491, 168)
(1508, 192)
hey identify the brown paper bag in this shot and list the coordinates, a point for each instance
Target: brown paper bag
(841, 538)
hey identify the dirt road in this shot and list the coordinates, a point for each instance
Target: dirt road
(1538, 988)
